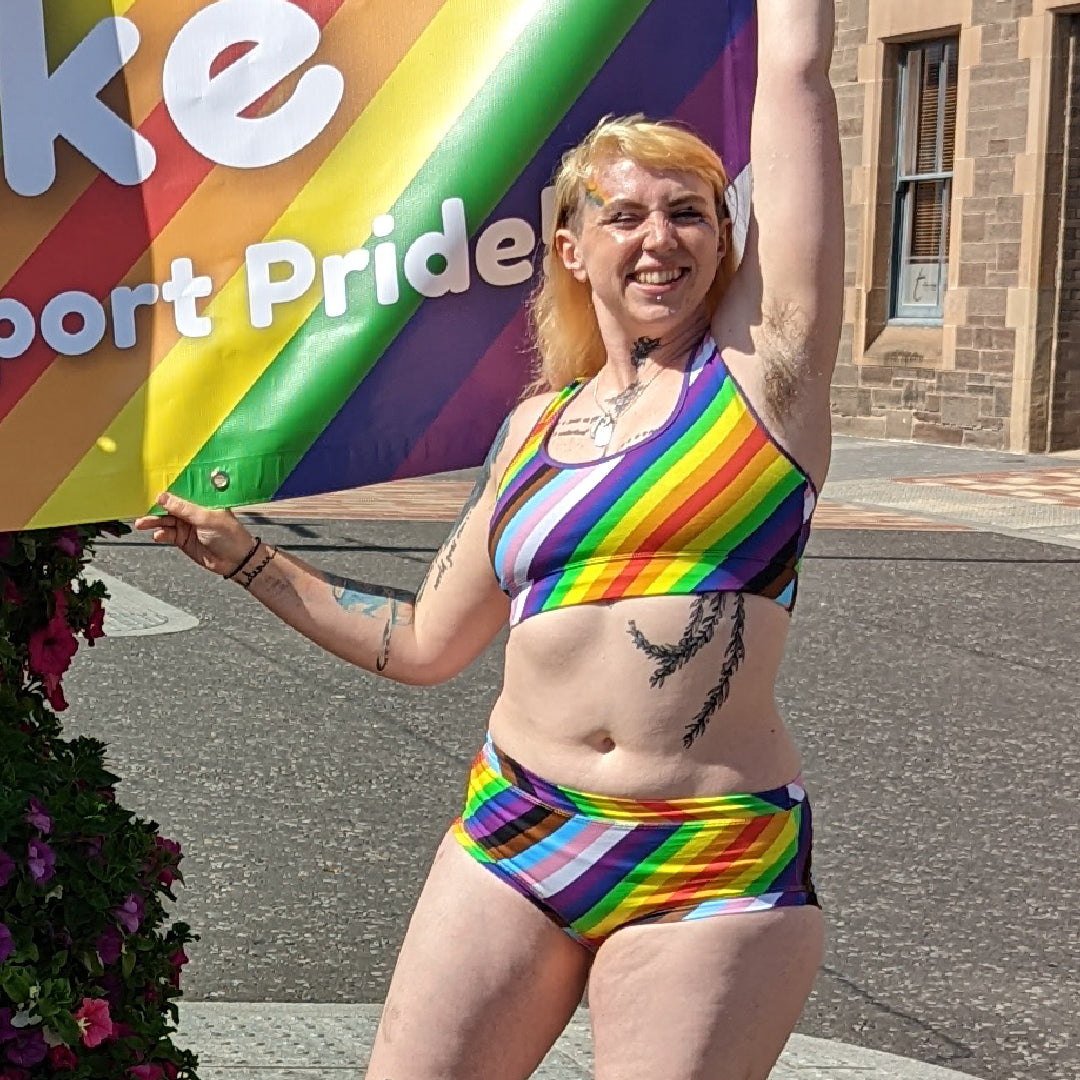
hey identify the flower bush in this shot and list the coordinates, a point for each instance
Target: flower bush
(89, 972)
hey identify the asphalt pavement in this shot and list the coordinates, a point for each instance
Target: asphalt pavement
(931, 681)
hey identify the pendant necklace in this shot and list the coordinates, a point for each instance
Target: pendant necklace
(604, 426)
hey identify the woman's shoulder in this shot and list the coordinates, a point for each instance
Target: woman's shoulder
(517, 427)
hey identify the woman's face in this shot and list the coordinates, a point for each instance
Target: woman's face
(648, 244)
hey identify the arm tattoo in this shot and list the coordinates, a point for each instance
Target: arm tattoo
(388, 630)
(705, 616)
(444, 560)
(366, 599)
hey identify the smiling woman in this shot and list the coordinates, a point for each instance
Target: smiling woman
(637, 817)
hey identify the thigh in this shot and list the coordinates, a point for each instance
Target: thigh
(484, 982)
(706, 999)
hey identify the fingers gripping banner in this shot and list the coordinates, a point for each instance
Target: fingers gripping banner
(256, 249)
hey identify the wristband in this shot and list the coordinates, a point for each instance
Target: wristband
(240, 565)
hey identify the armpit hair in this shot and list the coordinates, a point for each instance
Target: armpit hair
(782, 346)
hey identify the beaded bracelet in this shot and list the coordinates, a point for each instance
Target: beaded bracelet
(240, 565)
(252, 574)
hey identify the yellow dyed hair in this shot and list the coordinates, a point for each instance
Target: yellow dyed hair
(564, 323)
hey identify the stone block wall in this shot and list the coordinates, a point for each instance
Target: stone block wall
(1065, 371)
(975, 379)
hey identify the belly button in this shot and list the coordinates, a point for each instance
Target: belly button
(606, 744)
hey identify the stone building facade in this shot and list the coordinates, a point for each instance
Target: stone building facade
(960, 128)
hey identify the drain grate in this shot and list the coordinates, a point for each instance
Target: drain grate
(129, 612)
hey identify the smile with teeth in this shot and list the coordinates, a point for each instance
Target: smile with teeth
(657, 277)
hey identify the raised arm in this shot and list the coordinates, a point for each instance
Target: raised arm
(793, 267)
(420, 638)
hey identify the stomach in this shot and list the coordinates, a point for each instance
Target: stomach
(650, 697)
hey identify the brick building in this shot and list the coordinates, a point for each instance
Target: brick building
(960, 127)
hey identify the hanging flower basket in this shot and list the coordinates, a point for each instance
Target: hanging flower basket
(89, 970)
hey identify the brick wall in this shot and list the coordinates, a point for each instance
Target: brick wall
(1065, 370)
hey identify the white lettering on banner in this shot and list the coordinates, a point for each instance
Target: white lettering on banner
(206, 108)
(278, 272)
(387, 287)
(335, 271)
(503, 250)
(182, 290)
(37, 108)
(124, 302)
(263, 291)
(73, 342)
(23, 328)
(452, 244)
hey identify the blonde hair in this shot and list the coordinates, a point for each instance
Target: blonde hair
(564, 323)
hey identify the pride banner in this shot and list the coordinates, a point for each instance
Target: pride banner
(256, 249)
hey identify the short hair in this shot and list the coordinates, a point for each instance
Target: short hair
(565, 328)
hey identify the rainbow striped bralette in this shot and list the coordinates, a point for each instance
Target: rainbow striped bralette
(710, 503)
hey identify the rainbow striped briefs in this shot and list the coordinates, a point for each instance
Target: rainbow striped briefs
(595, 863)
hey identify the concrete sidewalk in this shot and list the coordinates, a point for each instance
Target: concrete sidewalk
(330, 1042)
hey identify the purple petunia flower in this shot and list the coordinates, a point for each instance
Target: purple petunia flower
(130, 913)
(38, 817)
(7, 868)
(7, 943)
(42, 861)
(7, 1030)
(109, 945)
(27, 1048)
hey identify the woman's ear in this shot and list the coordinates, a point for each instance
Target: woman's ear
(568, 250)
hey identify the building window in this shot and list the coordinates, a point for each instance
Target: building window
(926, 145)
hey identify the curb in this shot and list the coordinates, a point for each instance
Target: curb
(281, 1041)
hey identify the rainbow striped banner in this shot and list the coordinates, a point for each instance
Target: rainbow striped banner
(256, 249)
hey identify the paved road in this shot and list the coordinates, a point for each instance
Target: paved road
(931, 681)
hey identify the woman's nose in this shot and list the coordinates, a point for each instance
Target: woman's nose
(659, 232)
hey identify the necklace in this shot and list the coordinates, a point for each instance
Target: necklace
(604, 427)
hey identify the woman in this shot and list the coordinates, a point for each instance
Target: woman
(636, 817)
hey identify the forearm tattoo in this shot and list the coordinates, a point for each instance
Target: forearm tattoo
(364, 598)
(361, 598)
(445, 559)
(705, 616)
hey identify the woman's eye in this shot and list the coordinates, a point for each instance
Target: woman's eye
(688, 215)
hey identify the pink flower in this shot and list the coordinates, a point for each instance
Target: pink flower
(62, 1058)
(42, 861)
(7, 943)
(94, 1022)
(177, 960)
(52, 646)
(7, 542)
(130, 913)
(95, 628)
(38, 817)
(69, 541)
(150, 1071)
(11, 592)
(54, 692)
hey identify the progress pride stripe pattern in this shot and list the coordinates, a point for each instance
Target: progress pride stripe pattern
(470, 99)
(711, 503)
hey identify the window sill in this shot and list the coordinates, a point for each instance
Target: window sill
(915, 344)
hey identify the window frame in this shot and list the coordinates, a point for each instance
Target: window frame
(905, 184)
